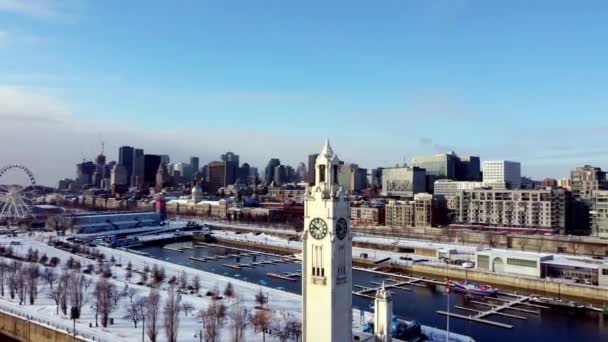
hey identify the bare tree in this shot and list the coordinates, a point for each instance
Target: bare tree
(116, 295)
(261, 321)
(77, 291)
(3, 270)
(63, 291)
(135, 310)
(196, 283)
(187, 308)
(130, 292)
(158, 274)
(103, 297)
(32, 274)
(295, 328)
(144, 276)
(48, 274)
(11, 279)
(152, 314)
(261, 298)
(239, 319)
(129, 274)
(229, 290)
(171, 314)
(21, 284)
(183, 280)
(210, 328)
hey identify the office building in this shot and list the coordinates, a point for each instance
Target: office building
(231, 157)
(301, 173)
(447, 187)
(194, 164)
(439, 166)
(244, 172)
(423, 210)
(352, 178)
(151, 164)
(374, 178)
(599, 214)
(217, 176)
(585, 180)
(125, 158)
(269, 171)
(468, 169)
(84, 173)
(119, 179)
(231, 171)
(280, 175)
(162, 177)
(502, 174)
(137, 177)
(530, 209)
(165, 159)
(403, 181)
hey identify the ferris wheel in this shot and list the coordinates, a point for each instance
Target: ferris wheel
(16, 195)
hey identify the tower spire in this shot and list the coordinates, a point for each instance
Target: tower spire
(327, 151)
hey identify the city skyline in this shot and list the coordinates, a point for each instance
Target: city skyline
(384, 82)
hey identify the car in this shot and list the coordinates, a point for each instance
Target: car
(467, 264)
(15, 243)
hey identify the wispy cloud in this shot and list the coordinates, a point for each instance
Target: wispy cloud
(42, 9)
(32, 8)
(21, 104)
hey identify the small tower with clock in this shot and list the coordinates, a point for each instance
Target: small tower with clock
(327, 256)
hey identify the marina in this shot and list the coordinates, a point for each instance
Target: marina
(415, 297)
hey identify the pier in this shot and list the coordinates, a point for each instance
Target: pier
(480, 316)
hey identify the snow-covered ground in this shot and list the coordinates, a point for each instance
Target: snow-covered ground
(282, 304)
(44, 310)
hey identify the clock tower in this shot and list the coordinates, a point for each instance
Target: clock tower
(327, 256)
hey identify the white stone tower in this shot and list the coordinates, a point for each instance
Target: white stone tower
(383, 315)
(327, 256)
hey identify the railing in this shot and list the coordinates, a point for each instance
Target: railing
(66, 328)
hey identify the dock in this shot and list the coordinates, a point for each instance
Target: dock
(480, 316)
(369, 292)
(173, 249)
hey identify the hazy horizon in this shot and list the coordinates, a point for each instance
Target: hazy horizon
(383, 81)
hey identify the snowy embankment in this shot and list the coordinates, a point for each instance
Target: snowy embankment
(282, 304)
(373, 255)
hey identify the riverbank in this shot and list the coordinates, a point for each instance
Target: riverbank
(532, 285)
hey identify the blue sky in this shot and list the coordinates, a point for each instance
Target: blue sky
(385, 80)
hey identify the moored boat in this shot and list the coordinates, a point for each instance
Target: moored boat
(473, 288)
(558, 304)
(279, 276)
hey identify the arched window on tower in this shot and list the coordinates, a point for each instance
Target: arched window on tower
(321, 173)
(335, 174)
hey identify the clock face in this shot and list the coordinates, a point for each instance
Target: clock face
(318, 228)
(341, 228)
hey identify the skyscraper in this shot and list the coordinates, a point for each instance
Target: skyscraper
(137, 177)
(269, 171)
(280, 175)
(165, 159)
(231, 157)
(217, 176)
(194, 164)
(125, 158)
(151, 164)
